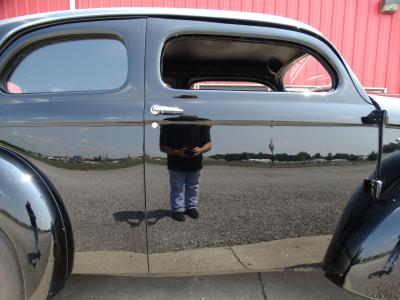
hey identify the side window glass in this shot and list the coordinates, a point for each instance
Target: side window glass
(307, 74)
(212, 62)
(74, 65)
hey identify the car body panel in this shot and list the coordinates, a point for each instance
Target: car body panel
(239, 199)
(89, 145)
(389, 104)
(363, 254)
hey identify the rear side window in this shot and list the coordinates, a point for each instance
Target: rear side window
(72, 65)
(307, 74)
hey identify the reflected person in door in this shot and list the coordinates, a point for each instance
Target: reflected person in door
(184, 143)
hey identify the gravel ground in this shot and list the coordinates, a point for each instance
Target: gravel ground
(97, 203)
(238, 205)
(249, 205)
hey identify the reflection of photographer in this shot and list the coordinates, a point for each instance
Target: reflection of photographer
(184, 144)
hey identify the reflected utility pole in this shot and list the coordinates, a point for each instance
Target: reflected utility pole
(271, 147)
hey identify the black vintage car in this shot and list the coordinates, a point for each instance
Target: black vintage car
(102, 112)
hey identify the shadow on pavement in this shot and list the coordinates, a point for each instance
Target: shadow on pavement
(135, 218)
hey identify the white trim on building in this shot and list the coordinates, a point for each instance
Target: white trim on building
(72, 5)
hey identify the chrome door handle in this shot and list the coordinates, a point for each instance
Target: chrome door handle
(165, 110)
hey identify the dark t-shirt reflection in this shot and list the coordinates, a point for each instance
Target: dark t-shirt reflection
(185, 136)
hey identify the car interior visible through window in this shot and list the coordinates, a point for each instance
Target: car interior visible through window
(232, 63)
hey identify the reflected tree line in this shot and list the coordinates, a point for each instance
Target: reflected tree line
(78, 162)
(301, 156)
(391, 147)
(104, 162)
(304, 156)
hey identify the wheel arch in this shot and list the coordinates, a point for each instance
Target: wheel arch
(35, 220)
(366, 243)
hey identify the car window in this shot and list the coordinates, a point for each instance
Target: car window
(307, 74)
(74, 65)
(242, 64)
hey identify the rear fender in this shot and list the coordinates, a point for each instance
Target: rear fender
(365, 247)
(34, 219)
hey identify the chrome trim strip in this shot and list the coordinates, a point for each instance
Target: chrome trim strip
(163, 122)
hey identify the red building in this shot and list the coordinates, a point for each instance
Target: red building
(368, 39)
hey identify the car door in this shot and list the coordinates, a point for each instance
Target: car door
(283, 164)
(72, 103)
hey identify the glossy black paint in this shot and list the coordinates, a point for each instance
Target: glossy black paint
(63, 123)
(244, 122)
(48, 252)
(67, 226)
(367, 234)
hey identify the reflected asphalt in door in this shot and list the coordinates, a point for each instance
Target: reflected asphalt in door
(275, 285)
(238, 206)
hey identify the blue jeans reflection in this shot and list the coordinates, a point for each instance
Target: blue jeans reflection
(184, 190)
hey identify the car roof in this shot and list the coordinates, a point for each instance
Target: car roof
(13, 25)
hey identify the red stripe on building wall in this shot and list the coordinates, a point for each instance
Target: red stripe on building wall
(368, 40)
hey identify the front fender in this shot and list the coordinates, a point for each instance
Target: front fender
(34, 220)
(365, 247)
